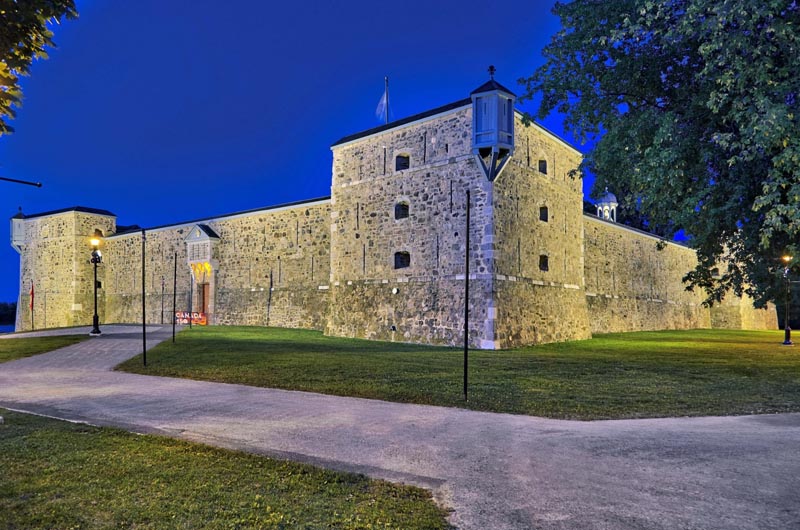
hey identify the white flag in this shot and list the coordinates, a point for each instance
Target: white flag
(380, 112)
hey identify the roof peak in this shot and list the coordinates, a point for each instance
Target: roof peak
(607, 198)
(491, 85)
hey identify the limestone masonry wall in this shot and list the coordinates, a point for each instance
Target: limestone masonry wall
(55, 258)
(269, 268)
(538, 242)
(739, 313)
(422, 302)
(631, 285)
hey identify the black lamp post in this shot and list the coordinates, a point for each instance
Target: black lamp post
(162, 299)
(97, 258)
(787, 337)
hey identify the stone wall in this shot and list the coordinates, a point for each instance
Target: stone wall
(633, 286)
(739, 313)
(537, 216)
(122, 263)
(428, 303)
(757, 319)
(270, 267)
(55, 257)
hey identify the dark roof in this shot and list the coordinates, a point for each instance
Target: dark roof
(398, 123)
(128, 228)
(207, 231)
(490, 86)
(82, 209)
(243, 212)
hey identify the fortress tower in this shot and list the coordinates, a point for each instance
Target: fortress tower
(398, 228)
(54, 257)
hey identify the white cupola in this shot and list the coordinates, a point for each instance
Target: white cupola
(607, 207)
(492, 126)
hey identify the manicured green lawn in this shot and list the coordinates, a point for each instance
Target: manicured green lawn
(627, 375)
(13, 348)
(61, 475)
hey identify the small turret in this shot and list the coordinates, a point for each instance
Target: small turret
(18, 230)
(492, 126)
(607, 207)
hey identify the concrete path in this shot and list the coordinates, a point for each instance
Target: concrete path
(497, 471)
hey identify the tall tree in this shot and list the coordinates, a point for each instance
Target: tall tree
(24, 36)
(693, 106)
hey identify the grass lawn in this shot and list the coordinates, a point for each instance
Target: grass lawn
(625, 375)
(62, 475)
(12, 348)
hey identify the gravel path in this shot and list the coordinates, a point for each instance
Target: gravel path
(496, 471)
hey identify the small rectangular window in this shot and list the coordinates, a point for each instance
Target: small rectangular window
(402, 162)
(402, 260)
(543, 214)
(543, 166)
(401, 210)
(544, 264)
(481, 116)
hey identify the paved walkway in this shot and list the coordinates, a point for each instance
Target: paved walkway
(497, 471)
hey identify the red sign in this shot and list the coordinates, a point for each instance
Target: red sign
(198, 319)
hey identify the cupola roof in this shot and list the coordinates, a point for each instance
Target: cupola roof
(490, 86)
(607, 197)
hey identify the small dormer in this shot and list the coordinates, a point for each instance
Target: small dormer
(18, 231)
(200, 245)
(607, 207)
(492, 126)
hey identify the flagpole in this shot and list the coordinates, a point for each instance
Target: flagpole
(386, 88)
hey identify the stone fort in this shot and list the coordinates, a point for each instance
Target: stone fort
(384, 256)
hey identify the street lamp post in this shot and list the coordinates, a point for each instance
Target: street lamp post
(97, 258)
(787, 336)
(162, 299)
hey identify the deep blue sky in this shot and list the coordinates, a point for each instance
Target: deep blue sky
(164, 111)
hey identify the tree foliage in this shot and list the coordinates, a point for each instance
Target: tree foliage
(693, 106)
(24, 36)
(8, 312)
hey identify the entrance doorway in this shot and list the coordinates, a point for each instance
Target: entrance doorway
(204, 298)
